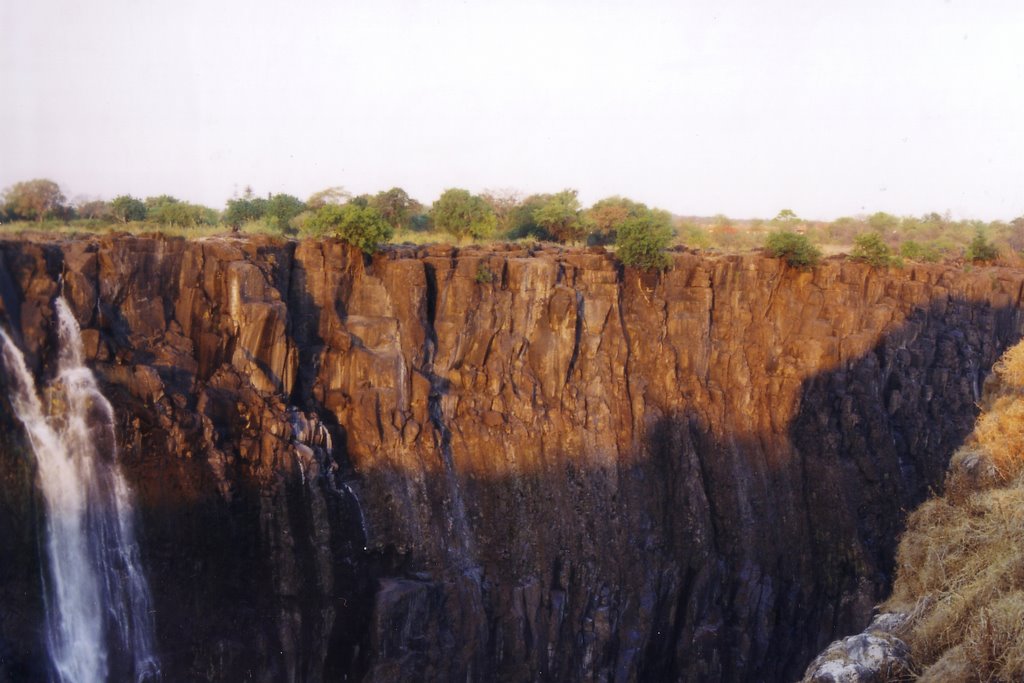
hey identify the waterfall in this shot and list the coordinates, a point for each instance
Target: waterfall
(99, 623)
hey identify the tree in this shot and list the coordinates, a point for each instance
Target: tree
(34, 199)
(917, 251)
(795, 248)
(330, 195)
(127, 208)
(521, 221)
(460, 213)
(247, 208)
(1015, 234)
(694, 236)
(503, 203)
(559, 216)
(169, 210)
(643, 238)
(397, 207)
(884, 223)
(786, 217)
(845, 229)
(606, 216)
(980, 249)
(279, 210)
(870, 248)
(361, 226)
(93, 209)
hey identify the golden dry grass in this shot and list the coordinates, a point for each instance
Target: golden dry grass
(999, 432)
(960, 564)
(1010, 369)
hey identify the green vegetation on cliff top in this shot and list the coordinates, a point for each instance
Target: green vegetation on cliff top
(639, 234)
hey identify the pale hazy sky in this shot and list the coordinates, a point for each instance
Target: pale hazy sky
(742, 108)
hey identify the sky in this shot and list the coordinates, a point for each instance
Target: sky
(702, 108)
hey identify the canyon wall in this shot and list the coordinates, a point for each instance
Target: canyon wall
(509, 463)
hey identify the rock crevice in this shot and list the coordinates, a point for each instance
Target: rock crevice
(569, 472)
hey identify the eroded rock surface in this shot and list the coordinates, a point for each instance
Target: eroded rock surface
(877, 655)
(385, 469)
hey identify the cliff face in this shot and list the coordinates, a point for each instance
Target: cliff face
(503, 464)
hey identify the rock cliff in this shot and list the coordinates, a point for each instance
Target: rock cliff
(508, 463)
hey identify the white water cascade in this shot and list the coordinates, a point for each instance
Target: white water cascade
(99, 623)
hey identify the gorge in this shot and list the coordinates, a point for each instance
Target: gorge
(503, 463)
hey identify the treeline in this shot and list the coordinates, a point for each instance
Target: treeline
(640, 233)
(43, 200)
(931, 237)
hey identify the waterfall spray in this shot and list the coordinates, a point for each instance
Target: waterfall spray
(99, 623)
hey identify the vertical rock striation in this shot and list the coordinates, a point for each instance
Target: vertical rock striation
(386, 469)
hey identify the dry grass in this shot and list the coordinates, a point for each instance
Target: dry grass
(1010, 369)
(999, 432)
(83, 227)
(421, 237)
(995, 641)
(960, 565)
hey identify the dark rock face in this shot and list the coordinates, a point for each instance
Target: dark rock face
(382, 469)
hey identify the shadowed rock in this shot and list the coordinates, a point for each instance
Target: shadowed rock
(571, 472)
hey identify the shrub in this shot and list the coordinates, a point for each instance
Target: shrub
(462, 214)
(695, 236)
(361, 226)
(980, 249)
(870, 248)
(244, 210)
(602, 220)
(126, 209)
(169, 211)
(641, 240)
(559, 216)
(484, 275)
(795, 248)
(280, 210)
(916, 251)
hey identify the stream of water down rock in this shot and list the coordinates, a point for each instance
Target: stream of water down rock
(99, 623)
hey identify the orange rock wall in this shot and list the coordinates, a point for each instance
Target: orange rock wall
(523, 463)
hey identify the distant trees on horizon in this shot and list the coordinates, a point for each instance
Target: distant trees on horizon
(640, 234)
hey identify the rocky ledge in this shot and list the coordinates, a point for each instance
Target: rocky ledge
(507, 463)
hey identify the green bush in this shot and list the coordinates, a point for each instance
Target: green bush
(870, 248)
(126, 208)
(980, 249)
(794, 247)
(559, 216)
(484, 275)
(361, 226)
(694, 236)
(924, 252)
(462, 214)
(641, 240)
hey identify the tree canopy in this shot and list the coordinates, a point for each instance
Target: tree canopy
(604, 218)
(243, 209)
(559, 216)
(460, 213)
(796, 249)
(330, 195)
(397, 207)
(504, 203)
(361, 226)
(34, 199)
(786, 216)
(643, 237)
(170, 210)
